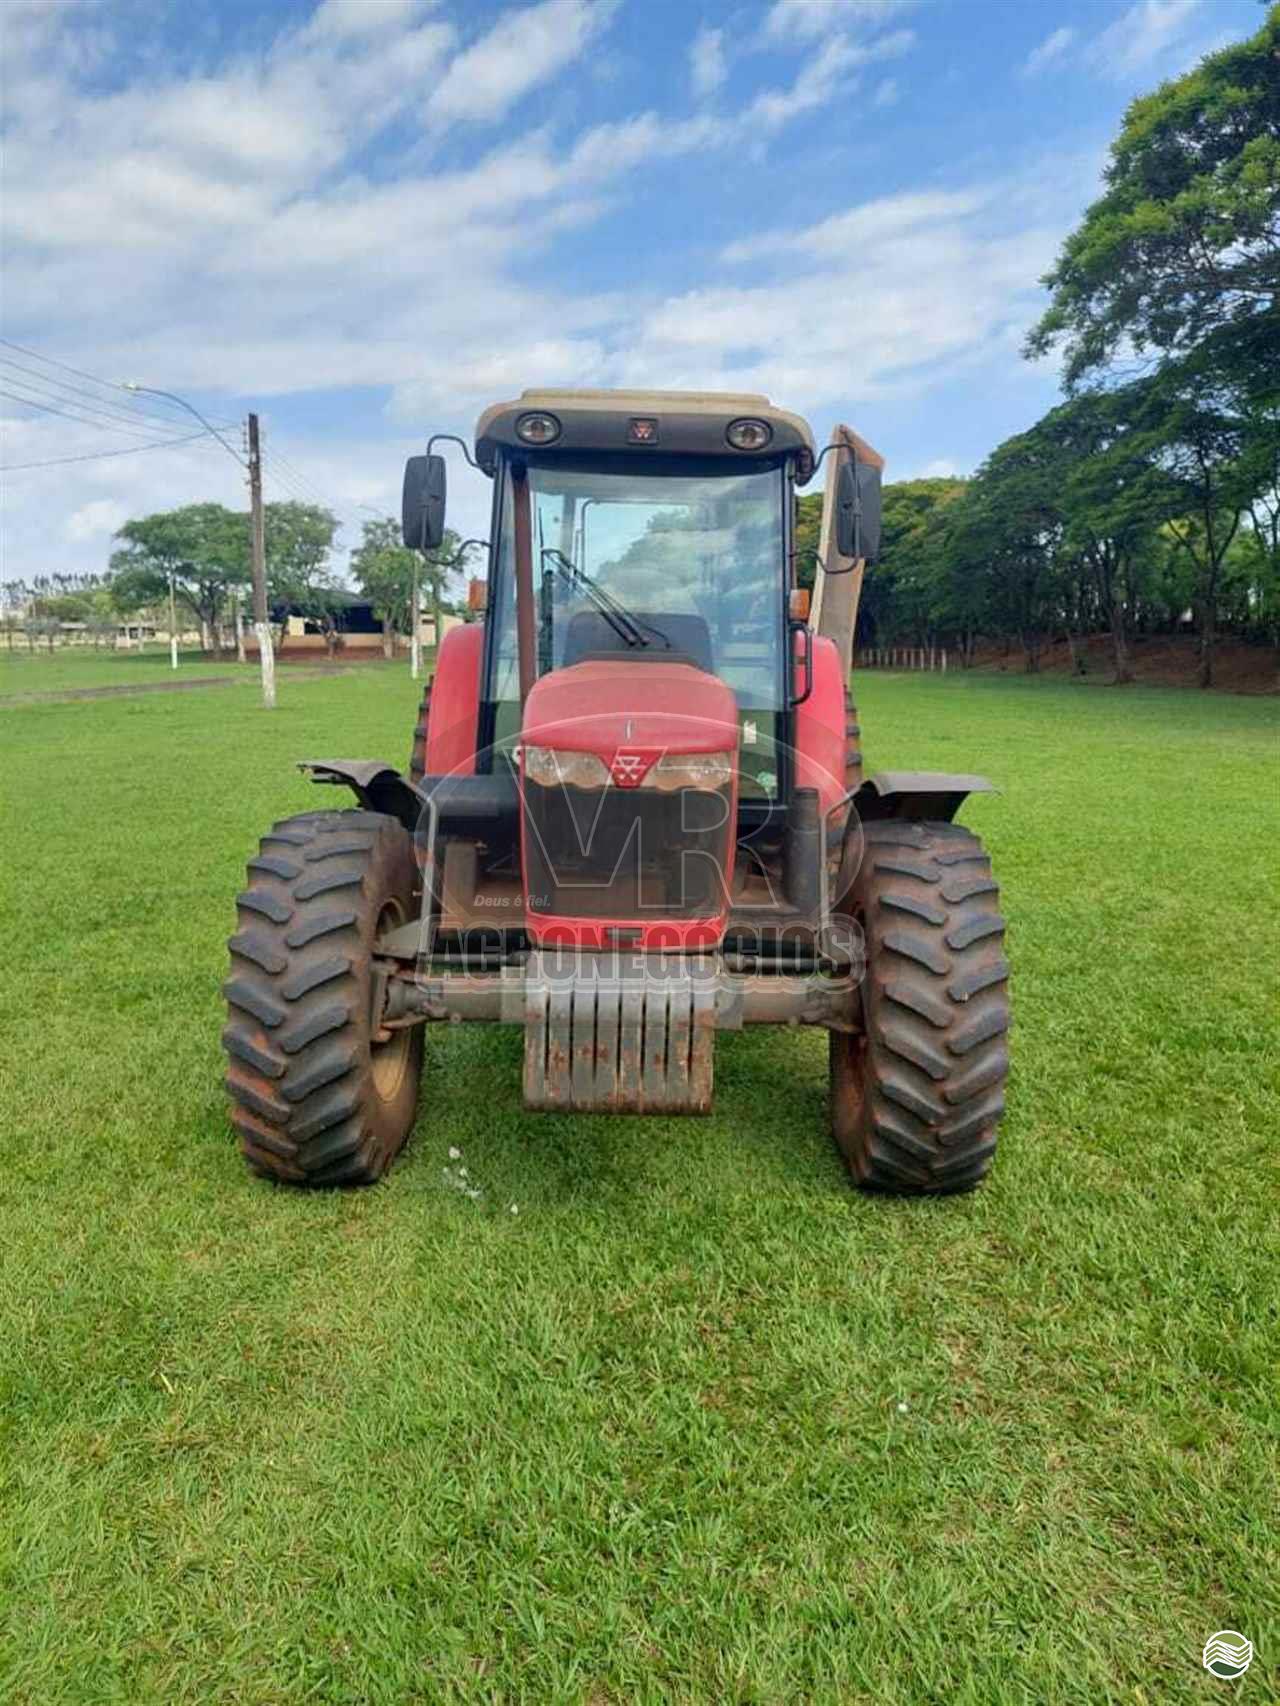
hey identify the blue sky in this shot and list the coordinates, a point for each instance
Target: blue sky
(368, 218)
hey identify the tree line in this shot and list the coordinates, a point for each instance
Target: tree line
(1152, 492)
(205, 550)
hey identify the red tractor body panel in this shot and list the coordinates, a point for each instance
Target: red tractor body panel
(602, 705)
(455, 703)
(820, 741)
(630, 715)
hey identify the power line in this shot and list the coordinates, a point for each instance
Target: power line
(97, 455)
(153, 391)
(70, 415)
(107, 384)
(283, 461)
(290, 490)
(40, 383)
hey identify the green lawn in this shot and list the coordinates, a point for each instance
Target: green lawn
(27, 674)
(23, 671)
(697, 1424)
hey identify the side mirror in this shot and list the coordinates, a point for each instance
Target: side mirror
(858, 511)
(848, 529)
(422, 503)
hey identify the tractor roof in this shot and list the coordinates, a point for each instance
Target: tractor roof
(686, 423)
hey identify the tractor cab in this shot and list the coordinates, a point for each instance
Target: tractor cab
(649, 698)
(648, 552)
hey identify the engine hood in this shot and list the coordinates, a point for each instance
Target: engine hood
(603, 706)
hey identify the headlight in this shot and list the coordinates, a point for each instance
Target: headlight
(690, 770)
(549, 768)
(748, 434)
(538, 428)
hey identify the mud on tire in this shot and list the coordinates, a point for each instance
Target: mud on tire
(315, 1099)
(916, 1099)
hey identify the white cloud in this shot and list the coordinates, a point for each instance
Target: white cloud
(97, 519)
(806, 20)
(1141, 35)
(342, 19)
(885, 299)
(886, 94)
(522, 49)
(165, 230)
(1052, 47)
(707, 70)
(821, 77)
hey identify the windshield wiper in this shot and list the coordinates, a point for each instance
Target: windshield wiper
(624, 624)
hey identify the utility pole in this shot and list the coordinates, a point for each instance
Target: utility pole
(173, 626)
(258, 558)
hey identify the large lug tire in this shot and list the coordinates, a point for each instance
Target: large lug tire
(418, 752)
(315, 1098)
(916, 1097)
(853, 745)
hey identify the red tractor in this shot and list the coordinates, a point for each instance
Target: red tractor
(635, 816)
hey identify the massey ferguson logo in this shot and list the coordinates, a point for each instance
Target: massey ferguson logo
(629, 769)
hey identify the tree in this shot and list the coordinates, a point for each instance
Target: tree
(1111, 501)
(437, 566)
(1015, 524)
(299, 538)
(14, 597)
(1201, 451)
(103, 618)
(1185, 241)
(906, 591)
(384, 569)
(203, 546)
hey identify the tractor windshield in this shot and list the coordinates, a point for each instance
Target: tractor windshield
(682, 555)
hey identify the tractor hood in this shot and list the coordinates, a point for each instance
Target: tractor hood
(605, 706)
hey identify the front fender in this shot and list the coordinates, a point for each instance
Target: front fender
(936, 795)
(378, 787)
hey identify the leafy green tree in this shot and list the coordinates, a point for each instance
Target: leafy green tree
(905, 593)
(807, 533)
(1201, 452)
(1016, 526)
(14, 596)
(384, 568)
(298, 540)
(1185, 241)
(1111, 502)
(103, 618)
(203, 546)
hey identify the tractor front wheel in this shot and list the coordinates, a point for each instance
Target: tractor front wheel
(418, 751)
(319, 1095)
(917, 1094)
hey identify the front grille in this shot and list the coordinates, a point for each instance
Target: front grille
(632, 853)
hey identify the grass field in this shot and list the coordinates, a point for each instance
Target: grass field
(27, 675)
(697, 1423)
(24, 672)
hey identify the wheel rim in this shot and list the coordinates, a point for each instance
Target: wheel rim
(388, 1060)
